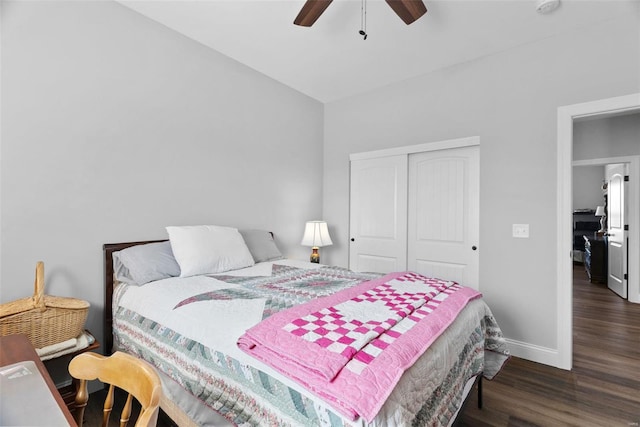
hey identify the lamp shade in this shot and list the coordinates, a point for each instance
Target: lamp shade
(600, 211)
(316, 234)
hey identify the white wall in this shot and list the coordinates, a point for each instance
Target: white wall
(114, 127)
(510, 100)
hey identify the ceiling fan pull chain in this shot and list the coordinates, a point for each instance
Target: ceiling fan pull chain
(363, 19)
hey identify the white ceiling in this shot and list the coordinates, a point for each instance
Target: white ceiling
(330, 60)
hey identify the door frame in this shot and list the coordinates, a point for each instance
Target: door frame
(564, 226)
(419, 148)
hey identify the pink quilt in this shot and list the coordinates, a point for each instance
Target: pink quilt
(352, 347)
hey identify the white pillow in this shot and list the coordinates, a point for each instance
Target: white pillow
(207, 249)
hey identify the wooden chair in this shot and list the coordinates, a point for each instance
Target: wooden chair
(133, 375)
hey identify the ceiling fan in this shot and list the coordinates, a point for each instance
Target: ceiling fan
(407, 10)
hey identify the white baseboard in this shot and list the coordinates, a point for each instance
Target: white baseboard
(535, 353)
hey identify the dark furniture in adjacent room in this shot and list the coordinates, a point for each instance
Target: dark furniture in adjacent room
(584, 223)
(595, 259)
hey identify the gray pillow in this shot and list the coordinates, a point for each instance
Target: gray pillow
(261, 245)
(145, 263)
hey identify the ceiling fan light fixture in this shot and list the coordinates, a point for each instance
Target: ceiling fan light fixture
(545, 7)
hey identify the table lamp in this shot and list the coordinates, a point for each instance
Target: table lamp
(603, 218)
(316, 235)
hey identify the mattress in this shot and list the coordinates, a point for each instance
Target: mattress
(188, 329)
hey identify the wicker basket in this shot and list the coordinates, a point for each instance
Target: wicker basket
(44, 319)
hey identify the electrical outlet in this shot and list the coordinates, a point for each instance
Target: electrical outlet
(521, 231)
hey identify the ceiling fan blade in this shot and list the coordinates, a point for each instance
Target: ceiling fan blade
(408, 10)
(311, 11)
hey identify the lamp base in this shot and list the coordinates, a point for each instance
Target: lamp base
(603, 224)
(315, 256)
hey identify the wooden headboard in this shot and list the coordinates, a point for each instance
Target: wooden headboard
(109, 249)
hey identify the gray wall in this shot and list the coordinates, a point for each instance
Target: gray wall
(617, 136)
(114, 127)
(510, 100)
(607, 137)
(587, 187)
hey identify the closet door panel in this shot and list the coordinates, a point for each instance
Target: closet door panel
(443, 209)
(378, 214)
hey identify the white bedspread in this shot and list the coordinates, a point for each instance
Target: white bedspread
(195, 345)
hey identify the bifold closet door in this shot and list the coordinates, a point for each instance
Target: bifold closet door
(378, 214)
(443, 216)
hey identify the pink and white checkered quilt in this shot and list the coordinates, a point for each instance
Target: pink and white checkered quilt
(352, 347)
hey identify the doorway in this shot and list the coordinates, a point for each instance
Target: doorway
(602, 176)
(566, 117)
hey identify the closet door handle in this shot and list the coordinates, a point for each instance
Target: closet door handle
(353, 240)
(474, 247)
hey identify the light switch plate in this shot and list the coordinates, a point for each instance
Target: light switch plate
(521, 231)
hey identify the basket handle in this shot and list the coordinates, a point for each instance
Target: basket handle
(38, 292)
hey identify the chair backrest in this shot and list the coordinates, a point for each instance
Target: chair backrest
(133, 375)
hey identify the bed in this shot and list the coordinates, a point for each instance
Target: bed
(189, 328)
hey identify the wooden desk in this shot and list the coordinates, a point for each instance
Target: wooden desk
(18, 348)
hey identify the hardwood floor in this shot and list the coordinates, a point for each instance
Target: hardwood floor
(603, 388)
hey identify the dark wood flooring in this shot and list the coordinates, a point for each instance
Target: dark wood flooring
(602, 390)
(93, 411)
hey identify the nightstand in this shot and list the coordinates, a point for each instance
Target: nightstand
(59, 365)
